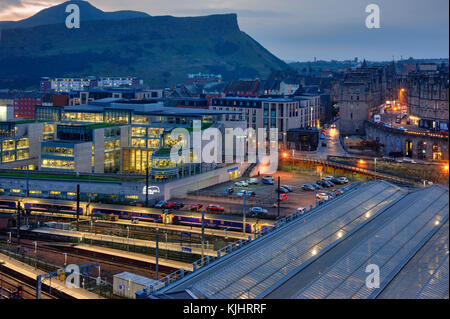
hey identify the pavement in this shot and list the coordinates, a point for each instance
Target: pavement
(265, 197)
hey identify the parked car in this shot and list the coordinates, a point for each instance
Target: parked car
(268, 177)
(301, 210)
(135, 221)
(215, 208)
(258, 211)
(323, 196)
(308, 187)
(229, 190)
(324, 183)
(327, 178)
(408, 160)
(195, 207)
(343, 179)
(169, 205)
(336, 181)
(281, 190)
(241, 184)
(389, 159)
(289, 188)
(316, 186)
(252, 181)
(178, 205)
(267, 181)
(245, 193)
(160, 204)
(283, 197)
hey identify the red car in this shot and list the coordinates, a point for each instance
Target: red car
(215, 208)
(283, 197)
(196, 206)
(169, 205)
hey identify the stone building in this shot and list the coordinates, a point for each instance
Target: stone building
(427, 97)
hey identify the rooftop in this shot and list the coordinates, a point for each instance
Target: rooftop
(324, 254)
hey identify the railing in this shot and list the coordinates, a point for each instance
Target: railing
(181, 273)
(364, 171)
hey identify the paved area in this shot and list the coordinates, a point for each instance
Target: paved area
(266, 197)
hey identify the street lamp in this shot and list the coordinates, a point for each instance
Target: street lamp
(243, 212)
(375, 159)
(65, 259)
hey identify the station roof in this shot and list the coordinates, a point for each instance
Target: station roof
(325, 254)
(130, 277)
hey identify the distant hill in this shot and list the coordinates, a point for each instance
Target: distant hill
(161, 50)
(57, 14)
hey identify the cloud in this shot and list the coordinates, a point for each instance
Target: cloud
(4, 4)
(21, 9)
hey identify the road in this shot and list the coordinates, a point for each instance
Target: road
(333, 148)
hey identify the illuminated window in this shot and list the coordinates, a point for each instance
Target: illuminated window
(55, 193)
(16, 191)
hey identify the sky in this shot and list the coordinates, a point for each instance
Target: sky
(301, 30)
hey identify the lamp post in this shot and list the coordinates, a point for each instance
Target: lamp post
(375, 160)
(157, 253)
(243, 213)
(293, 158)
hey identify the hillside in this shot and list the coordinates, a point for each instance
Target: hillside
(161, 50)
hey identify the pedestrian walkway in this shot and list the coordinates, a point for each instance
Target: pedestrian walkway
(31, 272)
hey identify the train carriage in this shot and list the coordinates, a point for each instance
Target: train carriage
(232, 223)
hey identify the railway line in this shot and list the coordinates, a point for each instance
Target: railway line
(108, 267)
(10, 283)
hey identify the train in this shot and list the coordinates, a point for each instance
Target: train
(103, 211)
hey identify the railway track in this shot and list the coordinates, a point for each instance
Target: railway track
(10, 284)
(109, 266)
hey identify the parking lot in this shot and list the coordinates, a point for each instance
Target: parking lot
(265, 195)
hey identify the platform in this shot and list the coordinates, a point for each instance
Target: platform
(31, 272)
(82, 236)
(136, 257)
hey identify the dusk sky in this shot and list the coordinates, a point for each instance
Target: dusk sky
(300, 30)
